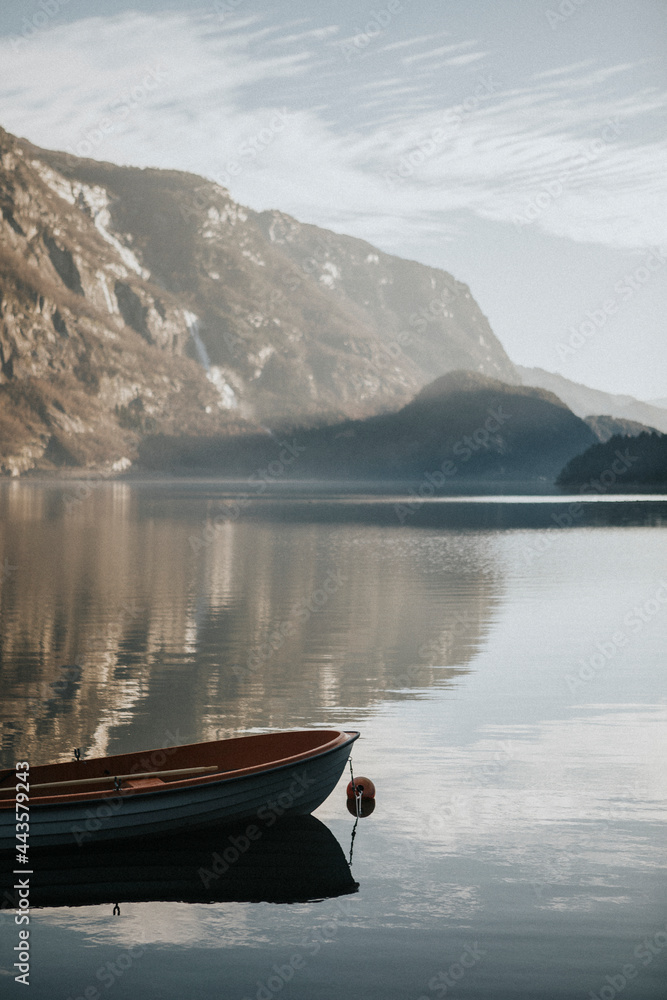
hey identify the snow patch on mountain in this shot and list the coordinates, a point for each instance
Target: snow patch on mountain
(254, 258)
(228, 400)
(331, 274)
(94, 200)
(111, 302)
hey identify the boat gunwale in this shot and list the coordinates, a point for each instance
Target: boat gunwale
(341, 739)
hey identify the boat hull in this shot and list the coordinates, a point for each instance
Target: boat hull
(285, 789)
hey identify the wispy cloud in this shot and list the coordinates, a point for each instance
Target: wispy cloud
(312, 35)
(467, 59)
(474, 143)
(562, 70)
(443, 50)
(407, 43)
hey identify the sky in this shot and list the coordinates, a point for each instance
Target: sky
(518, 144)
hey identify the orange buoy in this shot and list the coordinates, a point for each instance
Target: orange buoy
(361, 785)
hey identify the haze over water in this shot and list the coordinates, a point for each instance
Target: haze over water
(507, 677)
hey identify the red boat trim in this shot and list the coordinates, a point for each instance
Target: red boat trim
(342, 739)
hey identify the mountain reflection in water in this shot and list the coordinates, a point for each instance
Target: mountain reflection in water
(123, 612)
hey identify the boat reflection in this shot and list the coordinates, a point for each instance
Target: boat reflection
(297, 860)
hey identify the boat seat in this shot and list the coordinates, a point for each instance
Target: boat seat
(143, 783)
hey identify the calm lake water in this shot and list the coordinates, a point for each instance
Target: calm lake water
(505, 669)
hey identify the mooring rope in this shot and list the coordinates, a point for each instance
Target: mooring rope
(357, 799)
(357, 794)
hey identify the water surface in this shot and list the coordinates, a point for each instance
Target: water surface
(506, 673)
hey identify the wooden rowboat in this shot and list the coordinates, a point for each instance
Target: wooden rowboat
(176, 789)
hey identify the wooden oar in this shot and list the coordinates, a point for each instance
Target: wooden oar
(179, 772)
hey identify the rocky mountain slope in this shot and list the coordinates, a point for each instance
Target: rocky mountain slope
(136, 302)
(462, 427)
(92, 353)
(587, 402)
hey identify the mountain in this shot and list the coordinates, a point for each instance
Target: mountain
(620, 464)
(462, 427)
(608, 427)
(586, 402)
(142, 302)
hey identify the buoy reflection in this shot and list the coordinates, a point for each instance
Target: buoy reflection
(364, 806)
